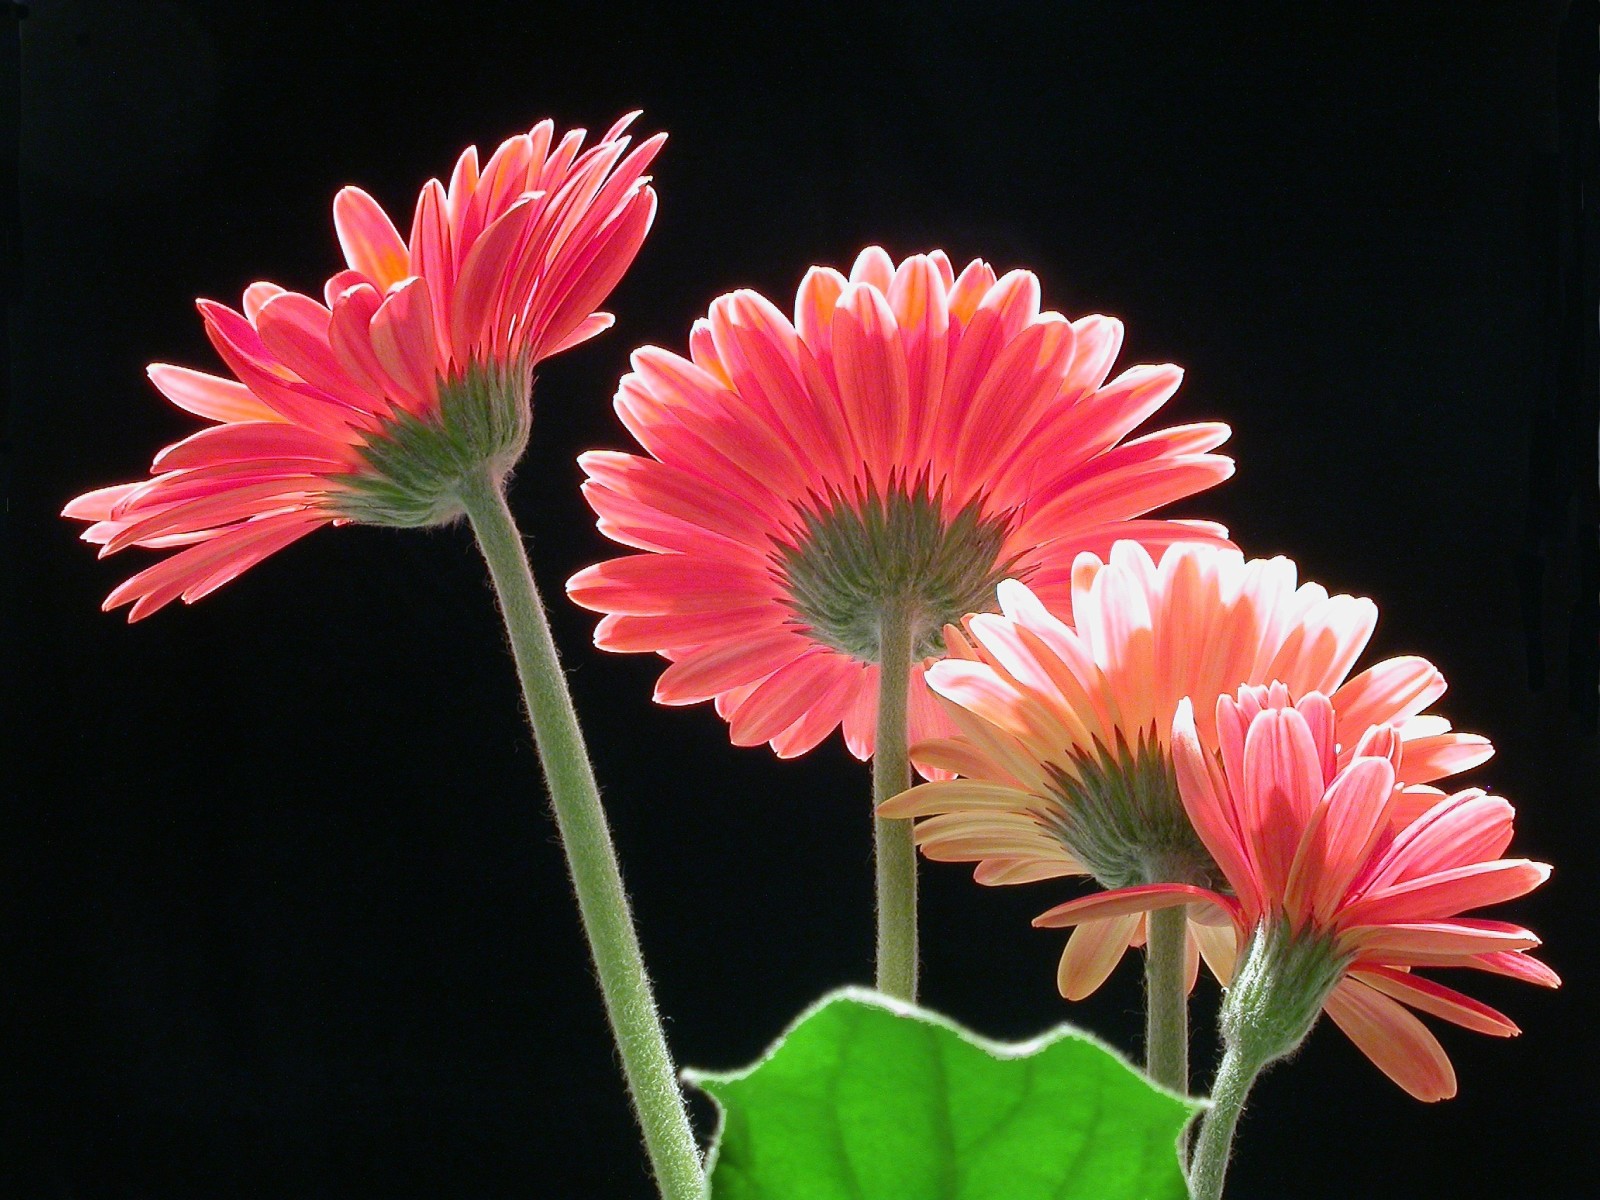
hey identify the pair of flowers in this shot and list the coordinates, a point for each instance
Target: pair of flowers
(915, 511)
(1192, 740)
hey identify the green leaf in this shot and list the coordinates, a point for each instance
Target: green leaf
(866, 1098)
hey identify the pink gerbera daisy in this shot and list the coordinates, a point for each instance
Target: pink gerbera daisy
(1063, 724)
(910, 439)
(415, 368)
(1334, 897)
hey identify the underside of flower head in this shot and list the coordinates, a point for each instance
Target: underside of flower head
(851, 559)
(414, 368)
(1062, 722)
(907, 439)
(1334, 896)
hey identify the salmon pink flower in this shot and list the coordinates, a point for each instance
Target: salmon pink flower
(908, 440)
(414, 368)
(1063, 722)
(1334, 897)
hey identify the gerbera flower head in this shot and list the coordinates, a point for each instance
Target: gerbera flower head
(414, 368)
(1337, 890)
(908, 439)
(1063, 723)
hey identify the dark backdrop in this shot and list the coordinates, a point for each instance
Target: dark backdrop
(284, 913)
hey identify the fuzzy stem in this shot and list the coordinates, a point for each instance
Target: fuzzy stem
(1166, 999)
(894, 853)
(591, 858)
(1235, 1076)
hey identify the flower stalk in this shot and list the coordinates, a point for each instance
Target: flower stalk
(1235, 1077)
(1275, 998)
(894, 853)
(586, 841)
(1166, 999)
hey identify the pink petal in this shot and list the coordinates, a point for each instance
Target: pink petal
(1385, 694)
(1103, 905)
(209, 396)
(1092, 953)
(368, 238)
(1437, 1000)
(1398, 1044)
(659, 584)
(706, 672)
(1448, 892)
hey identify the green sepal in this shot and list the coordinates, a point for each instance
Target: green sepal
(1123, 817)
(869, 1098)
(854, 555)
(414, 464)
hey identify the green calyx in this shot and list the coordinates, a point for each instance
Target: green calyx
(1278, 990)
(1121, 816)
(415, 464)
(853, 558)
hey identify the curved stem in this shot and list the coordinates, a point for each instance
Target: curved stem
(894, 853)
(591, 858)
(1166, 999)
(1215, 1143)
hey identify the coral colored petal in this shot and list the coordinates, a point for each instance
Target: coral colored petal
(1398, 1044)
(1445, 893)
(1429, 758)
(295, 329)
(1338, 839)
(209, 396)
(1459, 830)
(861, 716)
(781, 700)
(1002, 872)
(159, 585)
(591, 326)
(403, 341)
(869, 363)
(1219, 946)
(99, 504)
(1092, 953)
(1148, 898)
(256, 297)
(1437, 1000)
(653, 585)
(955, 795)
(233, 443)
(476, 298)
(1433, 942)
(623, 634)
(370, 242)
(1387, 693)
(240, 346)
(1516, 965)
(822, 717)
(1282, 782)
(707, 671)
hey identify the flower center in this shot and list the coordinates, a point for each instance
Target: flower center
(852, 559)
(1122, 817)
(414, 465)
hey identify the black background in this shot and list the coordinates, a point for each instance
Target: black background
(283, 911)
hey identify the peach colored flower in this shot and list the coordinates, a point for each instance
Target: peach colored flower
(416, 367)
(1338, 882)
(1063, 722)
(911, 437)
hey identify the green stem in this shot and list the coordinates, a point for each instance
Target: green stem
(1166, 999)
(1215, 1143)
(894, 853)
(591, 858)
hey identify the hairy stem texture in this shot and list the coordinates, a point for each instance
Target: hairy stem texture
(895, 854)
(586, 840)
